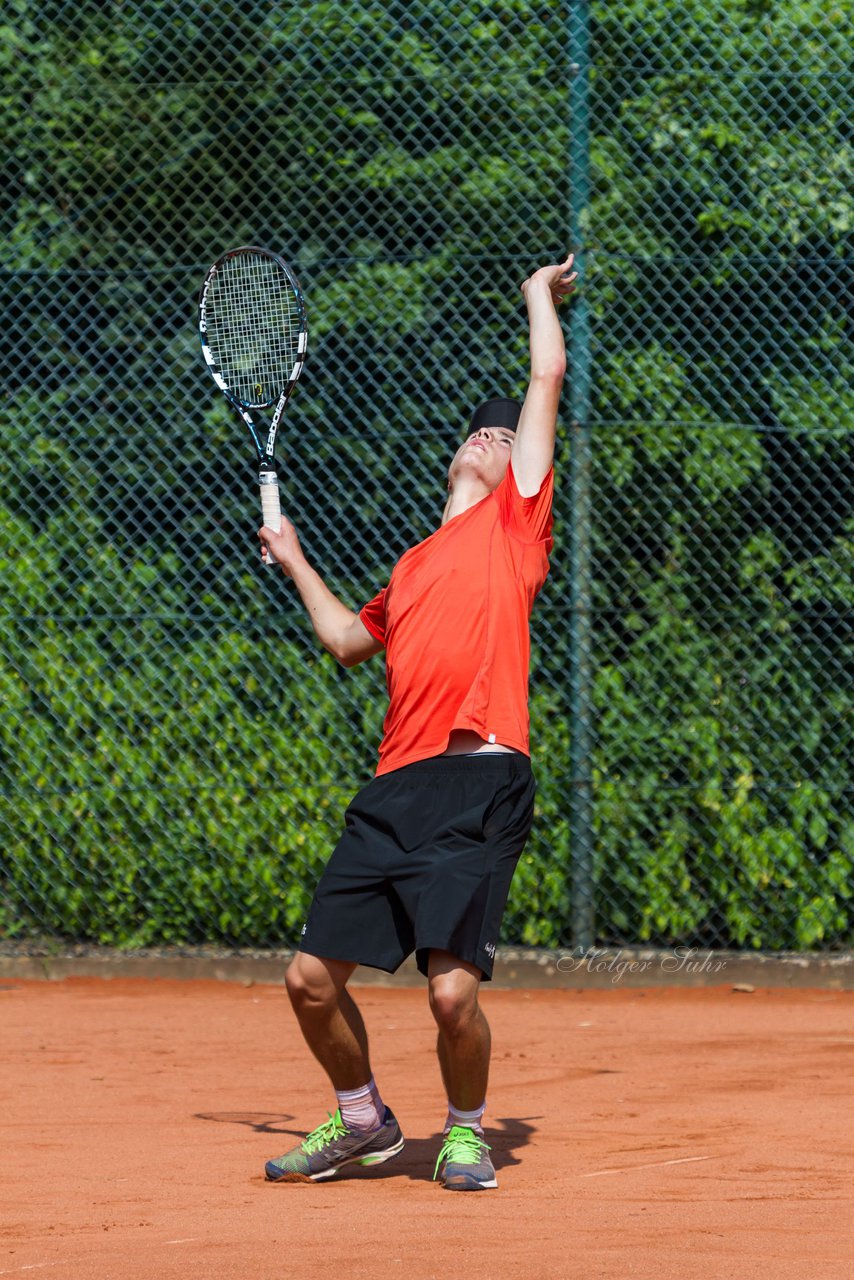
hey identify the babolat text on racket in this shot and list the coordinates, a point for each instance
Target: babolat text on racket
(254, 341)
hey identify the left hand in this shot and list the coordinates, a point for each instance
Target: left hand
(559, 279)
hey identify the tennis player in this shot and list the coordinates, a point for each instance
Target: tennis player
(431, 843)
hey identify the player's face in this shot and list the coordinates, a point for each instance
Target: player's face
(486, 454)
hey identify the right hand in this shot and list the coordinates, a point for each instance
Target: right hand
(284, 545)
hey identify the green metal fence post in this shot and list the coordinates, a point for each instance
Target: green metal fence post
(580, 651)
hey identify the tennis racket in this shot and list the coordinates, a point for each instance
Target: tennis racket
(254, 341)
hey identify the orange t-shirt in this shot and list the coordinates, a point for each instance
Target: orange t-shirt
(454, 622)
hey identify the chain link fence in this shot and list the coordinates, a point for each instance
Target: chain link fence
(176, 753)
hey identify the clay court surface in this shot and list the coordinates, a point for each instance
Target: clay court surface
(660, 1133)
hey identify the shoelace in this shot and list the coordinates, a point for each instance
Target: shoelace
(461, 1146)
(327, 1132)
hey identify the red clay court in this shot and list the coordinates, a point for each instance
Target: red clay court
(654, 1134)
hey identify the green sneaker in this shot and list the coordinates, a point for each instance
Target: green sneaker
(331, 1146)
(467, 1163)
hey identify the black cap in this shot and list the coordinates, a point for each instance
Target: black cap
(501, 413)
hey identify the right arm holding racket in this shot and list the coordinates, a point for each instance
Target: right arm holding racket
(254, 336)
(339, 629)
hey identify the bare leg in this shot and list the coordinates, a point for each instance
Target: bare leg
(329, 1018)
(464, 1040)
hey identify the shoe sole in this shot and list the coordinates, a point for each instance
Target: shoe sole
(465, 1182)
(374, 1157)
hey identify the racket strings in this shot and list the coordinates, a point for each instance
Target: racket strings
(254, 323)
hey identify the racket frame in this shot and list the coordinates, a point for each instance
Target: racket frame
(264, 447)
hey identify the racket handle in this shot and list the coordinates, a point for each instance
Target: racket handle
(270, 507)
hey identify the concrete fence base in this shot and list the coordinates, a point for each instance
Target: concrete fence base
(596, 969)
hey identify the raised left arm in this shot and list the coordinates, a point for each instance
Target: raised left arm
(533, 448)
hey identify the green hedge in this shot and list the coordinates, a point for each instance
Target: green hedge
(186, 794)
(159, 783)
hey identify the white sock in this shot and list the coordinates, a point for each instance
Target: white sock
(467, 1119)
(361, 1108)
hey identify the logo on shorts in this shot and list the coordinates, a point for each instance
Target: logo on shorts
(489, 948)
(302, 930)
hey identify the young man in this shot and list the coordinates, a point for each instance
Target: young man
(430, 845)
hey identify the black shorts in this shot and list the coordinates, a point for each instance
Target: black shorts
(425, 861)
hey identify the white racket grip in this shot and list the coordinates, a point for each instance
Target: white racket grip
(270, 507)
